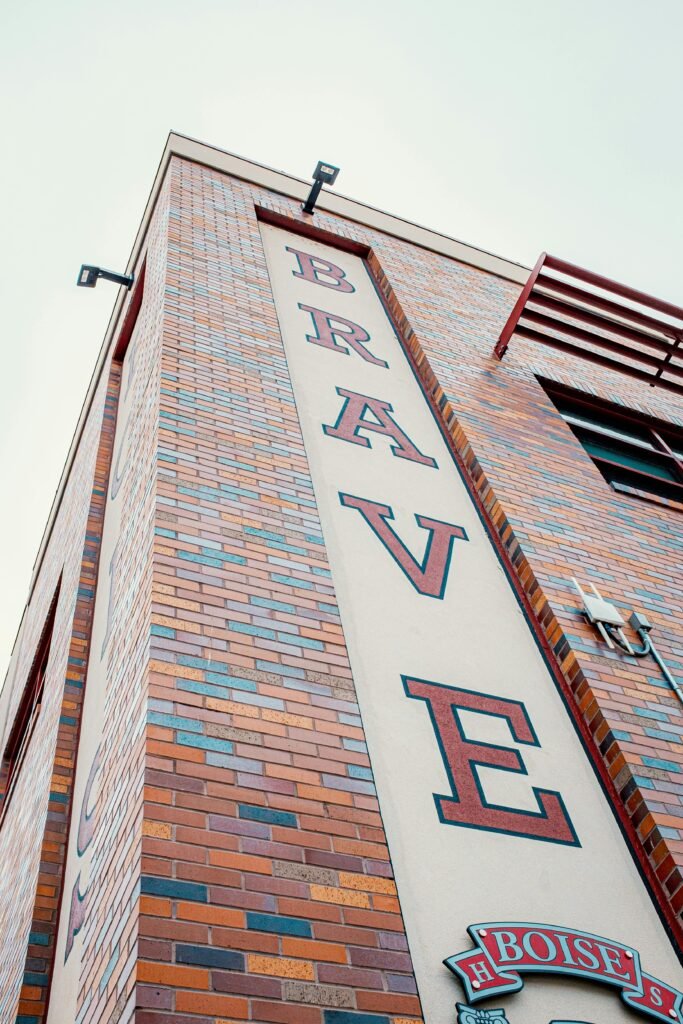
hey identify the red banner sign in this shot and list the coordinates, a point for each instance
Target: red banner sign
(506, 950)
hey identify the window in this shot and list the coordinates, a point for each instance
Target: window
(27, 716)
(633, 452)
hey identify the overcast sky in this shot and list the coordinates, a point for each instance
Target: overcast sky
(516, 125)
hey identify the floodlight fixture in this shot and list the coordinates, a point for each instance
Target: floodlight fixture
(324, 174)
(88, 277)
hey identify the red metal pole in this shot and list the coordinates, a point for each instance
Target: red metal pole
(508, 330)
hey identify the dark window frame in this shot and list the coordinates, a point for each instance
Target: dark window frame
(27, 715)
(627, 433)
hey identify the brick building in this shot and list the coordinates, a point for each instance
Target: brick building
(303, 689)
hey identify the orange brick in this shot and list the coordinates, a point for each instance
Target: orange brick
(155, 906)
(159, 829)
(241, 861)
(216, 704)
(329, 796)
(173, 975)
(211, 1005)
(280, 967)
(368, 883)
(344, 897)
(310, 949)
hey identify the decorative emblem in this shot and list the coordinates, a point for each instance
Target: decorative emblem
(470, 1015)
(504, 951)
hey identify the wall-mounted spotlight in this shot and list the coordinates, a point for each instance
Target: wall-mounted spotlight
(324, 174)
(88, 277)
(604, 616)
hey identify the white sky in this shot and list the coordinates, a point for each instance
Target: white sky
(516, 125)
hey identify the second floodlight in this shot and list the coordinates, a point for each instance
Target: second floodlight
(88, 276)
(324, 174)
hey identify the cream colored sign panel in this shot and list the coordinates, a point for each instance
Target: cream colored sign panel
(492, 810)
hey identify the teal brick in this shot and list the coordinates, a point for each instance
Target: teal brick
(300, 641)
(352, 1017)
(174, 889)
(192, 686)
(244, 627)
(667, 766)
(204, 742)
(173, 721)
(277, 606)
(280, 925)
(234, 682)
(205, 663)
(267, 815)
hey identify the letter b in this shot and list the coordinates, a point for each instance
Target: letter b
(314, 268)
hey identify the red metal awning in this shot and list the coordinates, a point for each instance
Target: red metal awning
(599, 320)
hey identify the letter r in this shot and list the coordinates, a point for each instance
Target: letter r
(336, 332)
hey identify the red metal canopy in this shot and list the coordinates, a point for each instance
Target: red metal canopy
(606, 323)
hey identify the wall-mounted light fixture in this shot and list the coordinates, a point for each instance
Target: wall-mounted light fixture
(324, 174)
(88, 277)
(607, 620)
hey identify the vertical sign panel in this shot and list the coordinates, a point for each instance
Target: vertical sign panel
(492, 810)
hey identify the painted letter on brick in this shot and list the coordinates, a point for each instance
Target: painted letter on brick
(315, 269)
(329, 328)
(467, 804)
(353, 418)
(428, 576)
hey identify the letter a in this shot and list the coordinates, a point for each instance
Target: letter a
(429, 576)
(352, 420)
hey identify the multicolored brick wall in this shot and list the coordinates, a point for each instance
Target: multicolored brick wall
(260, 787)
(266, 888)
(108, 975)
(242, 867)
(34, 832)
(43, 932)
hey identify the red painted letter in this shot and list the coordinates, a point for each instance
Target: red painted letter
(312, 268)
(86, 824)
(467, 804)
(76, 916)
(429, 576)
(329, 327)
(352, 419)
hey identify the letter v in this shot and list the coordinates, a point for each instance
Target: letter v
(429, 576)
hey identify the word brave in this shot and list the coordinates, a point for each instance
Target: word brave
(361, 421)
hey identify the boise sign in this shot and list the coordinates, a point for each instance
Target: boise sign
(488, 797)
(504, 952)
